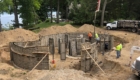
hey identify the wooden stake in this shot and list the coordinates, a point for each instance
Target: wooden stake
(93, 60)
(25, 44)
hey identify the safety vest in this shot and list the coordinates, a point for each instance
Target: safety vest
(118, 47)
(96, 35)
(89, 35)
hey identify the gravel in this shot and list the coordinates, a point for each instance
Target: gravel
(66, 74)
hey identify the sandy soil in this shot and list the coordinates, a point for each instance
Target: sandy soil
(115, 69)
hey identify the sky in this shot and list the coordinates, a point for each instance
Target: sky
(6, 19)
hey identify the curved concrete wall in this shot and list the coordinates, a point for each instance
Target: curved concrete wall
(28, 57)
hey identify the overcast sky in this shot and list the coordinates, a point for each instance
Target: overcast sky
(6, 19)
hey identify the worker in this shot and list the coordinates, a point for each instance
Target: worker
(118, 50)
(89, 36)
(97, 38)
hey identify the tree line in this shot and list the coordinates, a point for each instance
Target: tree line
(77, 11)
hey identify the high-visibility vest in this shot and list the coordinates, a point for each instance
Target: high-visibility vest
(89, 35)
(118, 47)
(96, 35)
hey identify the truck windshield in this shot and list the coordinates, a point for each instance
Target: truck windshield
(113, 22)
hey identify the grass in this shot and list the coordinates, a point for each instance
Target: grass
(48, 24)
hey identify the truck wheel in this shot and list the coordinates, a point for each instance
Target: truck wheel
(138, 32)
(134, 30)
(108, 28)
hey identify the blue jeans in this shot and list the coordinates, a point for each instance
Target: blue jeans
(118, 53)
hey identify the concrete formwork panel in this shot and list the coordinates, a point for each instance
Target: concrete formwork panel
(45, 63)
(51, 46)
(70, 51)
(78, 46)
(85, 35)
(55, 40)
(43, 41)
(83, 55)
(93, 47)
(41, 49)
(66, 41)
(86, 65)
(111, 42)
(73, 48)
(62, 51)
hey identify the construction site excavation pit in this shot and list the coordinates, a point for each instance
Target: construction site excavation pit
(59, 48)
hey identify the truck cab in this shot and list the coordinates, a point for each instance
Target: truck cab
(136, 67)
(112, 25)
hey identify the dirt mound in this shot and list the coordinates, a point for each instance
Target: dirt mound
(4, 57)
(17, 35)
(57, 29)
(118, 39)
(87, 28)
(70, 28)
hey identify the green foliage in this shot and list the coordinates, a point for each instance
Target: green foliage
(29, 26)
(4, 5)
(82, 11)
(43, 10)
(27, 11)
(39, 21)
(123, 9)
(47, 20)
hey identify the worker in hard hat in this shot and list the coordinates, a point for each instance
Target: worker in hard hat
(89, 36)
(118, 48)
(97, 38)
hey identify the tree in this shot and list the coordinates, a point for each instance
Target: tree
(28, 11)
(4, 5)
(103, 11)
(42, 12)
(82, 11)
(57, 11)
(15, 6)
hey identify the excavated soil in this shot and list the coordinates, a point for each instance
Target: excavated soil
(17, 35)
(115, 69)
(90, 28)
(57, 29)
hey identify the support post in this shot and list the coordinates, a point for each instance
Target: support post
(95, 22)
(93, 60)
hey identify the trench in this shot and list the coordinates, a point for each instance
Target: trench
(112, 69)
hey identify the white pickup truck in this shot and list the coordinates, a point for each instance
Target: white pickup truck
(132, 25)
(136, 67)
(112, 25)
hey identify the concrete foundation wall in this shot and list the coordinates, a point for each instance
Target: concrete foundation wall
(27, 54)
